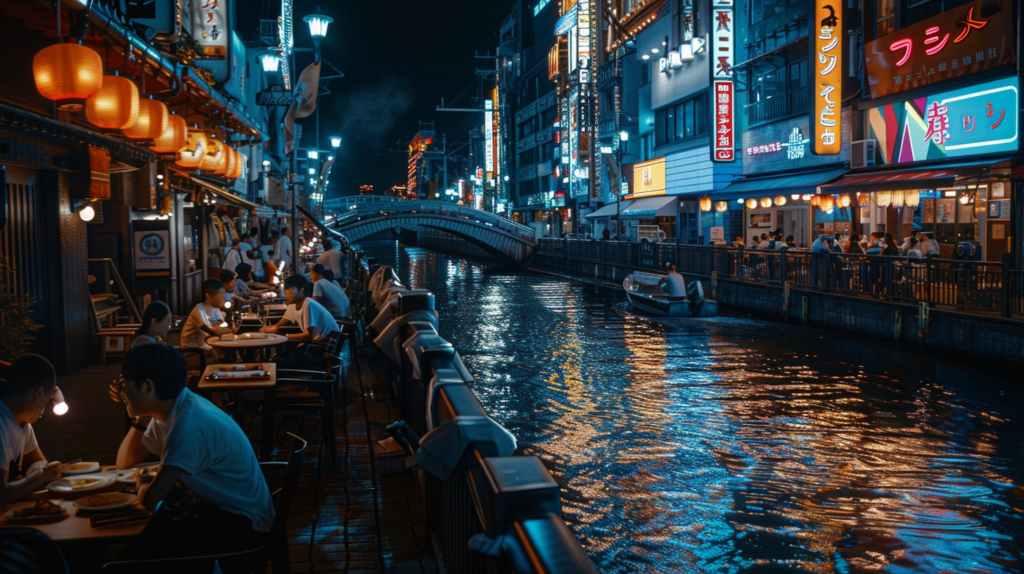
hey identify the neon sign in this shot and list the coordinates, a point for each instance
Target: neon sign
(489, 134)
(540, 6)
(828, 73)
(977, 120)
(723, 101)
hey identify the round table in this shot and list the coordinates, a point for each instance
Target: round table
(247, 343)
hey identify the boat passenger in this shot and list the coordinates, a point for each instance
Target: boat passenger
(675, 282)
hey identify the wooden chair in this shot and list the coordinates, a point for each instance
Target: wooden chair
(313, 390)
(283, 480)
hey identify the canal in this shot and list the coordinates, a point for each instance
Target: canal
(736, 445)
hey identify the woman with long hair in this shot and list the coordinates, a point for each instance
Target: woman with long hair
(156, 323)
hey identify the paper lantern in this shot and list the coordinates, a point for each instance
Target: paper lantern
(826, 203)
(214, 156)
(194, 151)
(843, 201)
(173, 138)
(780, 200)
(229, 162)
(884, 198)
(766, 202)
(239, 166)
(705, 203)
(751, 203)
(116, 106)
(152, 121)
(965, 198)
(815, 200)
(913, 199)
(721, 206)
(68, 74)
(898, 198)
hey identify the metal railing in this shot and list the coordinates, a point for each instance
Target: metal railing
(975, 286)
(778, 106)
(385, 207)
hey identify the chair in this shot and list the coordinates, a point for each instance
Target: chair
(321, 398)
(195, 359)
(250, 561)
(283, 480)
(29, 551)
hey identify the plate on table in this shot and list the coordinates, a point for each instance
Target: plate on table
(80, 468)
(82, 483)
(106, 502)
(36, 513)
(128, 476)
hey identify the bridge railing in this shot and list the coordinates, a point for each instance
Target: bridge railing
(974, 286)
(383, 207)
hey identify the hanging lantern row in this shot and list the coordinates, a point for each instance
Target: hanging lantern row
(705, 203)
(721, 206)
(71, 75)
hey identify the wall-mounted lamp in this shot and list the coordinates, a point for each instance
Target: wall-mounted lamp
(84, 209)
(59, 406)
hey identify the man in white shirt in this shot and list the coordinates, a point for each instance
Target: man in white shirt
(315, 324)
(328, 293)
(673, 283)
(234, 256)
(200, 446)
(245, 246)
(28, 385)
(205, 320)
(929, 246)
(333, 259)
(283, 247)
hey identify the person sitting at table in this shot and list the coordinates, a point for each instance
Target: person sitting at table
(206, 320)
(328, 293)
(156, 323)
(246, 281)
(234, 290)
(199, 446)
(29, 384)
(269, 269)
(315, 323)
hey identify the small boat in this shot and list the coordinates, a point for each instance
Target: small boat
(644, 293)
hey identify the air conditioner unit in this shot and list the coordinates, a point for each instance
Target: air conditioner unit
(862, 153)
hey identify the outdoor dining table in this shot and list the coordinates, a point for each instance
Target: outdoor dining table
(246, 344)
(236, 386)
(76, 526)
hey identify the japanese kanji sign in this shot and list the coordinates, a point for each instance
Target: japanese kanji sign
(967, 39)
(210, 28)
(980, 119)
(723, 97)
(826, 87)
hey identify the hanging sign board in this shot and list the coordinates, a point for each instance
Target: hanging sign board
(722, 60)
(275, 96)
(827, 48)
(210, 28)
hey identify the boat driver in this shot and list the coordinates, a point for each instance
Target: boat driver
(673, 283)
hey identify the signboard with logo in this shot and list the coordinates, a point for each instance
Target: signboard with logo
(722, 60)
(489, 135)
(210, 28)
(827, 45)
(649, 178)
(647, 254)
(981, 119)
(785, 146)
(967, 39)
(152, 250)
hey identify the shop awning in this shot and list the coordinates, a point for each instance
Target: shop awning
(567, 21)
(651, 207)
(794, 183)
(610, 210)
(223, 193)
(893, 180)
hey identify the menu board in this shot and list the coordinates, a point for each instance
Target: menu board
(944, 210)
(927, 211)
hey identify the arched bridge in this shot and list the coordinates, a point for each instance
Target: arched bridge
(501, 238)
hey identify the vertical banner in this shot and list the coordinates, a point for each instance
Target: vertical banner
(827, 46)
(489, 137)
(210, 28)
(722, 60)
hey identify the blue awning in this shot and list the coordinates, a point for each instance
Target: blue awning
(794, 183)
(567, 21)
(651, 207)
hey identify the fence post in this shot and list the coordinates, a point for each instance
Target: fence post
(1007, 270)
(782, 270)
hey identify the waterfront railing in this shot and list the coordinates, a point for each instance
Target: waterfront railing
(972, 286)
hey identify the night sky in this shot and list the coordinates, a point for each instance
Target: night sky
(399, 58)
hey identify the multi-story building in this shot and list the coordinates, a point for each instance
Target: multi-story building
(423, 155)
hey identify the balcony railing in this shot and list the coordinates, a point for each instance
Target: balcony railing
(779, 106)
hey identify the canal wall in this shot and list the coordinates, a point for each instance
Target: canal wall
(994, 340)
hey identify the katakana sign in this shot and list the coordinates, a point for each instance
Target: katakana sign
(968, 39)
(275, 96)
(827, 86)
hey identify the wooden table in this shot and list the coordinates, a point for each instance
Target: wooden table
(76, 527)
(237, 387)
(247, 343)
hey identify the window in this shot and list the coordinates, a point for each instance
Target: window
(682, 121)
(647, 147)
(884, 17)
(645, 72)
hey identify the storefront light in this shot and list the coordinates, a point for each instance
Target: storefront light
(751, 203)
(806, 197)
(795, 197)
(780, 200)
(271, 63)
(766, 202)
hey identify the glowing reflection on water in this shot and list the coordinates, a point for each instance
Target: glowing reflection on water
(732, 445)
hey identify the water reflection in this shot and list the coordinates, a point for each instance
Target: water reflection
(732, 445)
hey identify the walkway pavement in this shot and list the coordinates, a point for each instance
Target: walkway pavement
(346, 518)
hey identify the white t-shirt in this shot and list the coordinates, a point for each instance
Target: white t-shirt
(333, 293)
(312, 315)
(220, 465)
(191, 333)
(333, 260)
(675, 285)
(246, 248)
(15, 440)
(232, 260)
(265, 251)
(283, 248)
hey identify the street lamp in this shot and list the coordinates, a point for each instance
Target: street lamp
(624, 136)
(318, 25)
(335, 142)
(271, 63)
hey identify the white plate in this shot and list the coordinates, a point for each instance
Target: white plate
(80, 468)
(106, 502)
(34, 519)
(127, 476)
(82, 483)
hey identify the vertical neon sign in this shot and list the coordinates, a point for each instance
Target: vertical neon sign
(826, 38)
(723, 95)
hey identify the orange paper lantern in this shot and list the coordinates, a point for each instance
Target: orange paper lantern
(239, 166)
(116, 106)
(194, 151)
(152, 121)
(229, 162)
(705, 203)
(173, 138)
(68, 74)
(214, 157)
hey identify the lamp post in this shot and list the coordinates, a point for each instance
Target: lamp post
(623, 138)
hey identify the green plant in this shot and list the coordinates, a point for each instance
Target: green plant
(16, 324)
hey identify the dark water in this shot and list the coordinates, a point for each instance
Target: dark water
(735, 445)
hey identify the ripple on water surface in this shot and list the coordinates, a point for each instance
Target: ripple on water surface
(733, 445)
